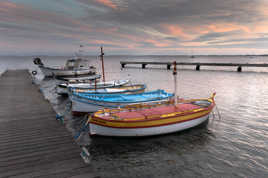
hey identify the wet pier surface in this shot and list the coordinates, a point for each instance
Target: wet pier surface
(32, 142)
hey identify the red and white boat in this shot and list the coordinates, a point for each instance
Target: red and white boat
(152, 119)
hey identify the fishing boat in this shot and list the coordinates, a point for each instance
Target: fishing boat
(126, 89)
(73, 67)
(84, 102)
(149, 120)
(152, 118)
(63, 87)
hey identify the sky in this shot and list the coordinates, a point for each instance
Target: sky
(134, 27)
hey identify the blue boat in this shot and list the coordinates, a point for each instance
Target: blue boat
(86, 102)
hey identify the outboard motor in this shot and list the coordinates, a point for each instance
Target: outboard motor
(38, 61)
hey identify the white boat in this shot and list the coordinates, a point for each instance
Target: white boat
(64, 87)
(85, 103)
(125, 89)
(151, 120)
(73, 67)
(78, 79)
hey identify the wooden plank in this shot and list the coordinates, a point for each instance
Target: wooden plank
(32, 142)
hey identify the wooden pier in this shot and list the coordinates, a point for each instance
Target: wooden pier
(196, 64)
(32, 142)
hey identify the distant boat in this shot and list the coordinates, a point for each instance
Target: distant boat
(63, 87)
(92, 102)
(151, 120)
(73, 67)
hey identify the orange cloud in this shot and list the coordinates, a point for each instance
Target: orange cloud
(130, 37)
(139, 39)
(157, 43)
(6, 6)
(107, 3)
(261, 28)
(227, 27)
(175, 30)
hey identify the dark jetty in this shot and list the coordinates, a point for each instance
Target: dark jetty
(32, 142)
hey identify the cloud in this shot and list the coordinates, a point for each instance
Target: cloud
(107, 3)
(138, 26)
(214, 36)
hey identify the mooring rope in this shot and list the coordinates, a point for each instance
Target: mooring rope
(84, 128)
(67, 109)
(218, 112)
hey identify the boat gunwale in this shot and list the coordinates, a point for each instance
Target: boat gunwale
(66, 85)
(101, 86)
(142, 88)
(65, 70)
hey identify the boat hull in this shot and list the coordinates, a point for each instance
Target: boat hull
(50, 72)
(93, 102)
(146, 131)
(81, 105)
(63, 89)
(80, 78)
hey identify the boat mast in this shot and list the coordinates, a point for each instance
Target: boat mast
(102, 63)
(175, 82)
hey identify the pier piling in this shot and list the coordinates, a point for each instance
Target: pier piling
(168, 66)
(239, 69)
(197, 67)
(143, 66)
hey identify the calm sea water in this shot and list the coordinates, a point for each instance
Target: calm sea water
(234, 146)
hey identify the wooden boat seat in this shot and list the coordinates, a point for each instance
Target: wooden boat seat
(129, 115)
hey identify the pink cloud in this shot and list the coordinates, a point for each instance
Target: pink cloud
(157, 43)
(6, 7)
(227, 27)
(176, 30)
(107, 3)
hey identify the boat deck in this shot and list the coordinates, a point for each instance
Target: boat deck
(142, 114)
(32, 142)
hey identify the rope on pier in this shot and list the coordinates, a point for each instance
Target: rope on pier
(60, 117)
(84, 128)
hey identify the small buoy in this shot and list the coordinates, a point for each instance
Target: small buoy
(34, 72)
